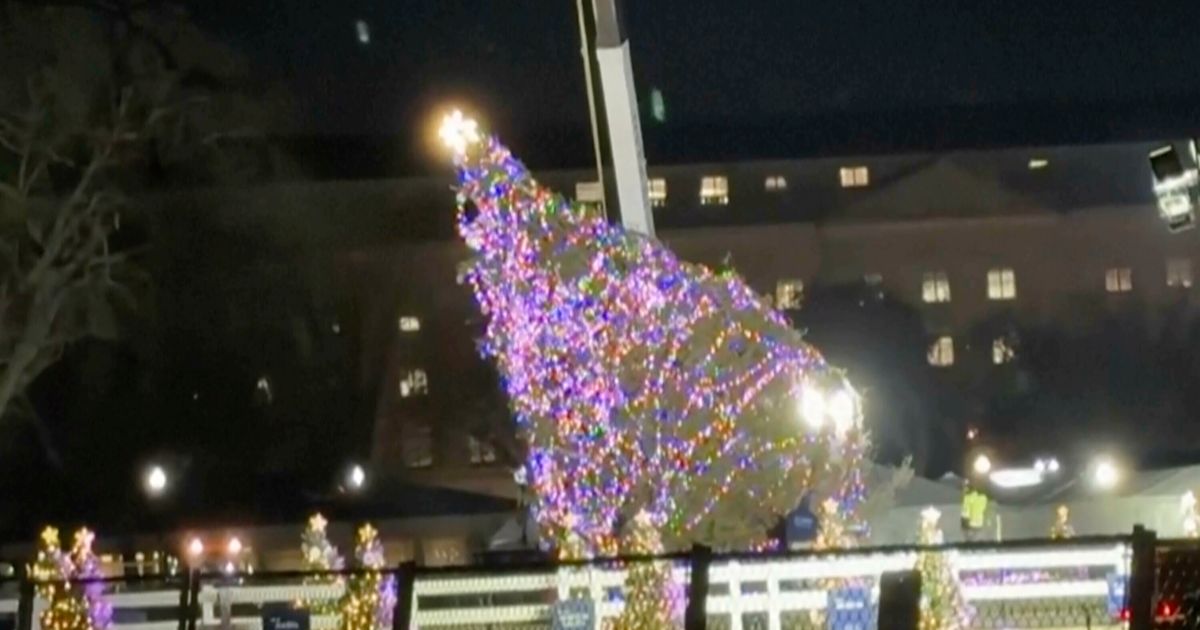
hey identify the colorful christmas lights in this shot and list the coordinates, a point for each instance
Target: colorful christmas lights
(640, 383)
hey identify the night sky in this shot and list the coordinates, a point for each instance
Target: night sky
(727, 65)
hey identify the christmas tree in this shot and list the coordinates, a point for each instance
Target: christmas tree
(370, 596)
(653, 600)
(1062, 523)
(66, 605)
(320, 555)
(640, 383)
(87, 568)
(942, 603)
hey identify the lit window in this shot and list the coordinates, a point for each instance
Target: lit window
(714, 190)
(854, 176)
(1038, 163)
(363, 30)
(775, 183)
(414, 383)
(1118, 280)
(658, 192)
(417, 446)
(1002, 351)
(941, 353)
(482, 451)
(1002, 284)
(1179, 273)
(408, 323)
(589, 192)
(789, 294)
(935, 287)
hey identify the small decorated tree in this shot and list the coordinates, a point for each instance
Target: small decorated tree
(87, 569)
(651, 595)
(1062, 524)
(66, 606)
(320, 555)
(942, 604)
(370, 596)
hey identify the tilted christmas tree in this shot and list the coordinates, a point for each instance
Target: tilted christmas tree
(54, 572)
(942, 604)
(320, 555)
(640, 383)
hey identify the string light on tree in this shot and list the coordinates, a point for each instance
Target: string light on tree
(639, 382)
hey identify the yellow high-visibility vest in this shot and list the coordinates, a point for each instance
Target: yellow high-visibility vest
(974, 508)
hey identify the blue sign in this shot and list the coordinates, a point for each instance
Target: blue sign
(850, 609)
(574, 614)
(801, 524)
(284, 617)
(1117, 585)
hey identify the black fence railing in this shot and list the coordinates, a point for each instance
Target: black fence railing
(1133, 581)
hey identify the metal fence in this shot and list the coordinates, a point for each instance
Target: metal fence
(1111, 582)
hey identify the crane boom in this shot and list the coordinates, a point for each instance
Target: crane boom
(621, 113)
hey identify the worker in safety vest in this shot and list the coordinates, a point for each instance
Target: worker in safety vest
(974, 511)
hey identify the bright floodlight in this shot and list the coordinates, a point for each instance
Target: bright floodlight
(356, 478)
(234, 547)
(156, 480)
(812, 407)
(458, 131)
(195, 548)
(1052, 465)
(982, 465)
(1105, 474)
(841, 409)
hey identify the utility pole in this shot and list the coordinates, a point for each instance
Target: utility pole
(611, 45)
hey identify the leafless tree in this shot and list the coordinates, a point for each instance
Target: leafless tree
(95, 104)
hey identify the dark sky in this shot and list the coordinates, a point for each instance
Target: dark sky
(716, 61)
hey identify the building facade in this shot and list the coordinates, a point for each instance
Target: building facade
(976, 245)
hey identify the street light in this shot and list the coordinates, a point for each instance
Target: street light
(195, 549)
(356, 478)
(1105, 473)
(234, 546)
(155, 481)
(982, 464)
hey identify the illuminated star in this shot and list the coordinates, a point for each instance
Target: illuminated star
(458, 131)
(83, 540)
(317, 522)
(366, 532)
(50, 537)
